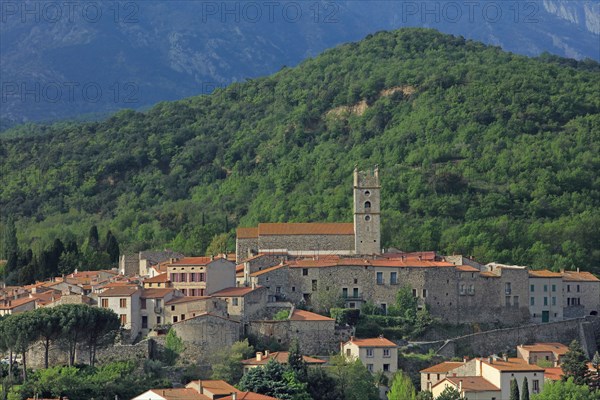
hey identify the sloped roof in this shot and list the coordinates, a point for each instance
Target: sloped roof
(180, 394)
(267, 270)
(302, 315)
(10, 304)
(281, 357)
(512, 365)
(473, 383)
(247, 233)
(186, 299)
(466, 268)
(162, 278)
(214, 386)
(193, 261)
(544, 273)
(156, 293)
(235, 291)
(373, 342)
(557, 348)
(119, 291)
(249, 396)
(583, 276)
(442, 367)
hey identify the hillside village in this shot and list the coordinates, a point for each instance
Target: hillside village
(297, 284)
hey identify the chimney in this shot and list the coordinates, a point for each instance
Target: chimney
(266, 353)
(253, 285)
(352, 338)
(212, 257)
(505, 357)
(465, 359)
(234, 396)
(259, 356)
(577, 269)
(460, 385)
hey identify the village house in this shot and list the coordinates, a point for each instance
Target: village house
(201, 276)
(244, 303)
(545, 296)
(125, 302)
(202, 390)
(377, 354)
(543, 353)
(141, 263)
(281, 357)
(483, 378)
(15, 306)
(581, 294)
(159, 281)
(152, 311)
(182, 308)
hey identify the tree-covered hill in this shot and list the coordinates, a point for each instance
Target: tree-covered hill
(482, 152)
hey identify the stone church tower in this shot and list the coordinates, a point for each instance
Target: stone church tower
(367, 219)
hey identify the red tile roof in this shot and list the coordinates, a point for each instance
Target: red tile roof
(155, 293)
(214, 386)
(544, 273)
(310, 228)
(10, 304)
(373, 342)
(162, 278)
(267, 270)
(574, 276)
(302, 315)
(473, 384)
(186, 299)
(249, 396)
(323, 262)
(553, 373)
(235, 291)
(180, 394)
(557, 348)
(466, 268)
(247, 233)
(512, 365)
(442, 367)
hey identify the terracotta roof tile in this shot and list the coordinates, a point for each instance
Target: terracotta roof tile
(553, 373)
(324, 262)
(180, 394)
(193, 261)
(249, 396)
(310, 228)
(214, 386)
(575, 276)
(466, 268)
(155, 293)
(557, 348)
(247, 233)
(473, 384)
(235, 291)
(544, 273)
(10, 304)
(302, 315)
(442, 367)
(162, 278)
(186, 299)
(267, 270)
(373, 342)
(513, 364)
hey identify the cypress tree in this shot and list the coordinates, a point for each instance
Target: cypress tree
(112, 247)
(93, 239)
(525, 390)
(514, 390)
(9, 239)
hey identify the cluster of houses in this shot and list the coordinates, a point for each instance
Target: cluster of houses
(214, 301)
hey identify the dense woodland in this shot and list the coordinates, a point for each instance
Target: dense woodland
(482, 152)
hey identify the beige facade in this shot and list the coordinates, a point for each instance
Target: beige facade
(581, 293)
(548, 353)
(377, 354)
(125, 302)
(545, 296)
(201, 276)
(152, 307)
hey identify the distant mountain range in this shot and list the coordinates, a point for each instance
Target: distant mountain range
(85, 60)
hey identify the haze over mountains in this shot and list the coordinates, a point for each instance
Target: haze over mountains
(90, 59)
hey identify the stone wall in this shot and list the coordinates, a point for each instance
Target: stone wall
(245, 247)
(314, 337)
(307, 243)
(585, 330)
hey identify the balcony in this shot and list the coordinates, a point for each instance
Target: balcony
(158, 310)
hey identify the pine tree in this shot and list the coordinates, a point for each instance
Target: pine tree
(525, 390)
(514, 390)
(574, 364)
(296, 361)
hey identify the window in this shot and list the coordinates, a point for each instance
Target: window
(175, 318)
(414, 292)
(367, 193)
(344, 292)
(554, 288)
(355, 293)
(182, 317)
(462, 289)
(123, 319)
(516, 301)
(304, 271)
(144, 322)
(123, 303)
(386, 353)
(193, 292)
(348, 352)
(202, 277)
(545, 301)
(532, 288)
(370, 367)
(158, 320)
(367, 205)
(424, 293)
(370, 353)
(384, 308)
(293, 288)
(355, 281)
(143, 304)
(234, 301)
(104, 303)
(367, 218)
(507, 288)
(553, 300)
(545, 288)
(278, 289)
(507, 300)
(314, 285)
(183, 277)
(568, 288)
(578, 288)
(393, 278)
(532, 301)
(386, 367)
(172, 308)
(536, 386)
(471, 289)
(380, 278)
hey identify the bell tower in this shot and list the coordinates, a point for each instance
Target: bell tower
(367, 219)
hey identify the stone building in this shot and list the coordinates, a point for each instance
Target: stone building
(201, 276)
(545, 352)
(281, 357)
(581, 294)
(15, 306)
(545, 296)
(125, 302)
(244, 303)
(363, 236)
(152, 307)
(186, 307)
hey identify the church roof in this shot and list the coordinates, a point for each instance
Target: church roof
(306, 228)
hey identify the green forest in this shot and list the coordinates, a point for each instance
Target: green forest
(482, 152)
